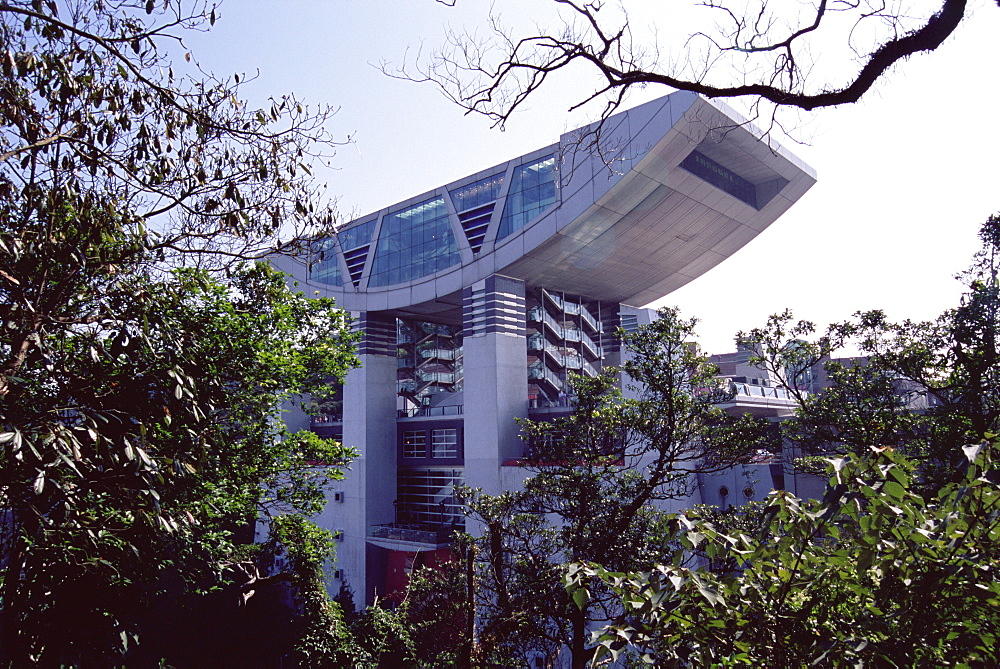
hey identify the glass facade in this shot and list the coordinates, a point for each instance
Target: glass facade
(354, 242)
(359, 235)
(414, 242)
(427, 497)
(326, 268)
(532, 191)
(477, 194)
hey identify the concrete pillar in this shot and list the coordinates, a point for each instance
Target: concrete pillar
(369, 427)
(496, 377)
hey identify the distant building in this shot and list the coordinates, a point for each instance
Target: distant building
(477, 299)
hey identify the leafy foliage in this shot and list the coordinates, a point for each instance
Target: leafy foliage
(871, 575)
(139, 445)
(140, 406)
(596, 476)
(439, 608)
(926, 388)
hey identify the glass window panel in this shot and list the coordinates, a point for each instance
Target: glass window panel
(326, 268)
(532, 191)
(444, 443)
(414, 242)
(356, 237)
(478, 193)
(414, 444)
(427, 497)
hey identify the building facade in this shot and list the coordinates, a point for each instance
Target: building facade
(477, 300)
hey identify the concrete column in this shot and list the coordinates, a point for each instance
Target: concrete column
(369, 427)
(496, 378)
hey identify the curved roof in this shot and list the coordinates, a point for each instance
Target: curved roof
(668, 190)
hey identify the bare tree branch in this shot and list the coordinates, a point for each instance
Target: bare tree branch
(495, 76)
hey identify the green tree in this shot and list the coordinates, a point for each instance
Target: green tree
(439, 609)
(597, 478)
(894, 566)
(140, 407)
(926, 388)
(873, 574)
(136, 448)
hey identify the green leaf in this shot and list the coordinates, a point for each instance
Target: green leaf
(581, 597)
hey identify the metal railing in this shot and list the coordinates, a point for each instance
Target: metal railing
(412, 533)
(539, 315)
(441, 353)
(539, 371)
(325, 419)
(574, 309)
(450, 410)
(438, 377)
(750, 390)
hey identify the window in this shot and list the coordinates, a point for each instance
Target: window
(414, 444)
(444, 443)
(414, 242)
(477, 194)
(721, 177)
(326, 265)
(532, 191)
(426, 496)
(358, 236)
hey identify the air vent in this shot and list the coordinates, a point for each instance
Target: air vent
(475, 222)
(356, 263)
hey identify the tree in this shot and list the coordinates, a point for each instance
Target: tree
(926, 388)
(894, 566)
(135, 450)
(763, 51)
(597, 478)
(140, 405)
(439, 608)
(872, 574)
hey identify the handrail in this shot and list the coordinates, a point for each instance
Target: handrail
(750, 390)
(411, 533)
(540, 371)
(442, 353)
(575, 309)
(449, 410)
(575, 334)
(438, 377)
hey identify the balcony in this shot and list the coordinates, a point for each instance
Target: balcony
(420, 412)
(438, 377)
(750, 390)
(322, 419)
(409, 536)
(441, 353)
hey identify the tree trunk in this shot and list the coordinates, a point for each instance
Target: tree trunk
(579, 652)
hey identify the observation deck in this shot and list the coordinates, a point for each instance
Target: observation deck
(673, 188)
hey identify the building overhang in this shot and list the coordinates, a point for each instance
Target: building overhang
(673, 188)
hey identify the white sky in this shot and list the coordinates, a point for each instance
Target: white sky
(905, 177)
